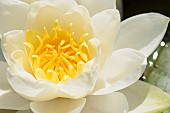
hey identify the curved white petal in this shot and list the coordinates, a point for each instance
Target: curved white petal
(82, 85)
(96, 6)
(12, 41)
(38, 15)
(81, 22)
(27, 86)
(146, 98)
(142, 32)
(110, 103)
(11, 100)
(106, 24)
(29, 1)
(124, 67)
(8, 98)
(59, 105)
(12, 15)
(20, 58)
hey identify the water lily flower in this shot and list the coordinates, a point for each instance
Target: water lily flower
(71, 57)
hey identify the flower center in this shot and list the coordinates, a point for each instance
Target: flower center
(58, 57)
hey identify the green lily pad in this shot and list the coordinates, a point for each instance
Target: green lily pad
(158, 69)
(146, 98)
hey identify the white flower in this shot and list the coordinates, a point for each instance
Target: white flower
(62, 59)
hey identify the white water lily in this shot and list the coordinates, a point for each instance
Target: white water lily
(66, 56)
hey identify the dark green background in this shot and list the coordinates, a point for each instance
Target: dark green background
(134, 7)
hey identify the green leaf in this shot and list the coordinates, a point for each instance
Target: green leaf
(159, 73)
(146, 98)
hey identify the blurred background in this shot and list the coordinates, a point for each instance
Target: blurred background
(134, 7)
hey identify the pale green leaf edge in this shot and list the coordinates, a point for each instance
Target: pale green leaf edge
(155, 100)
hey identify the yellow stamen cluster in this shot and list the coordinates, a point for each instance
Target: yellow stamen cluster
(58, 56)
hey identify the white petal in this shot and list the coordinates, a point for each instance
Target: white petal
(80, 86)
(27, 86)
(111, 103)
(13, 49)
(29, 1)
(59, 105)
(11, 100)
(38, 15)
(12, 15)
(12, 41)
(146, 98)
(21, 58)
(123, 68)
(80, 18)
(96, 6)
(142, 32)
(106, 24)
(8, 98)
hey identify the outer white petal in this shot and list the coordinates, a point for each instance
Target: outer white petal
(8, 98)
(106, 24)
(12, 41)
(38, 15)
(110, 103)
(146, 98)
(142, 32)
(80, 18)
(82, 85)
(12, 15)
(96, 6)
(27, 86)
(123, 68)
(59, 105)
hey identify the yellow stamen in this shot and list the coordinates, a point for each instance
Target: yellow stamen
(59, 57)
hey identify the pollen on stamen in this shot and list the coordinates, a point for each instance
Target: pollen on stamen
(58, 55)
